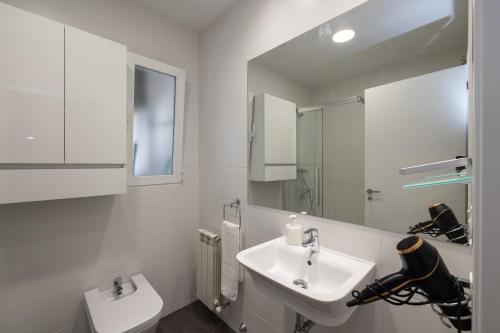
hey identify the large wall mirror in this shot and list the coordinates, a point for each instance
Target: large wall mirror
(342, 118)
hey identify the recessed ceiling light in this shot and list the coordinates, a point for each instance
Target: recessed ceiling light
(343, 36)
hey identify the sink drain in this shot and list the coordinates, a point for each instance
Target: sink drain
(301, 283)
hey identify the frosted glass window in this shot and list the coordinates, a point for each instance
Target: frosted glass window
(154, 118)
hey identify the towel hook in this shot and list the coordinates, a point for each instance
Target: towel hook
(235, 204)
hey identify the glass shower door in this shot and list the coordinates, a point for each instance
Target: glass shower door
(304, 194)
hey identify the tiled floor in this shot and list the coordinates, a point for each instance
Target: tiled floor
(194, 318)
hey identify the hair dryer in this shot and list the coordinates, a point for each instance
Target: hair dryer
(443, 221)
(424, 269)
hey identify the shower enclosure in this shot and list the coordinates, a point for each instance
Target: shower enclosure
(303, 194)
(330, 161)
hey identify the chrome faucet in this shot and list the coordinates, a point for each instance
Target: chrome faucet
(312, 242)
(117, 286)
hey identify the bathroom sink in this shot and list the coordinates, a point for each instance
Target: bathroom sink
(321, 289)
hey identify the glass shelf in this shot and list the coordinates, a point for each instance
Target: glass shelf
(446, 179)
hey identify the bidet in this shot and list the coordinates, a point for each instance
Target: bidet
(137, 310)
(117, 286)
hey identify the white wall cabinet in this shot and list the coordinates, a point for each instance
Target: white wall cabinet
(62, 110)
(274, 144)
(95, 99)
(31, 88)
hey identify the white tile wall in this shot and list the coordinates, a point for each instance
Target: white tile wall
(247, 30)
(51, 252)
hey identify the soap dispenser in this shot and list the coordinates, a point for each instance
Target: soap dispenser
(293, 231)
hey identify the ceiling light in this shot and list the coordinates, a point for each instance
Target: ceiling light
(343, 36)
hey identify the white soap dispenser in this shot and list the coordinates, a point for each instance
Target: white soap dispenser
(293, 231)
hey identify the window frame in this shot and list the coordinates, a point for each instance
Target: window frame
(180, 83)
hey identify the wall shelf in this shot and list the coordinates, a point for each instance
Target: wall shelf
(462, 175)
(448, 164)
(453, 178)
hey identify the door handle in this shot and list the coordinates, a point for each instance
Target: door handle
(318, 184)
(371, 191)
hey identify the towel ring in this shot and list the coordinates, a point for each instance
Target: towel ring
(235, 204)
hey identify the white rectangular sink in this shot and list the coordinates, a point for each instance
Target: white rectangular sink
(330, 278)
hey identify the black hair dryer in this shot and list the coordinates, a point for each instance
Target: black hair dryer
(443, 222)
(424, 273)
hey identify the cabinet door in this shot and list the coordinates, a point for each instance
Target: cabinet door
(31, 88)
(95, 120)
(280, 119)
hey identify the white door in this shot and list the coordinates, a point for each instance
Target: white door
(96, 75)
(31, 88)
(343, 161)
(409, 122)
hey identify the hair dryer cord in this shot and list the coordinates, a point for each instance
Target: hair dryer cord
(405, 296)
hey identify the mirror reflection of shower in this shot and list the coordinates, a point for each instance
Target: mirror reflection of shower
(327, 172)
(305, 192)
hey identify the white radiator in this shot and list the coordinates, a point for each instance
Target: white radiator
(208, 269)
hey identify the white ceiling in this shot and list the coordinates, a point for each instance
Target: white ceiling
(193, 14)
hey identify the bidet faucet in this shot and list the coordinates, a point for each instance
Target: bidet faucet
(312, 242)
(117, 286)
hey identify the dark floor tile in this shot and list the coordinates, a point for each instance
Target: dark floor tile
(194, 318)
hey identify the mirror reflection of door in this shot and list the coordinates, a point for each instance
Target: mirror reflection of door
(410, 122)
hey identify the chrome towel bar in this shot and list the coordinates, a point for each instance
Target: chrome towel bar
(235, 204)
